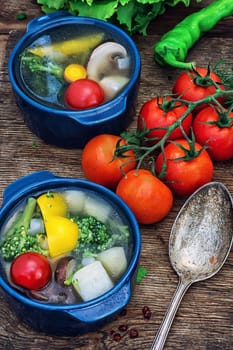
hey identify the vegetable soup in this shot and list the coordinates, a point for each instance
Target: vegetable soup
(48, 67)
(65, 246)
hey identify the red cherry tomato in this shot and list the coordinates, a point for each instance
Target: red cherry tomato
(184, 176)
(215, 129)
(99, 164)
(196, 85)
(149, 198)
(160, 113)
(83, 94)
(30, 270)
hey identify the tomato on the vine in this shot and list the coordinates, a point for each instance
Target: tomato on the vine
(215, 129)
(100, 164)
(149, 198)
(84, 93)
(160, 113)
(30, 270)
(187, 168)
(196, 84)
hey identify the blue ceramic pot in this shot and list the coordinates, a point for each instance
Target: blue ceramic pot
(73, 128)
(72, 319)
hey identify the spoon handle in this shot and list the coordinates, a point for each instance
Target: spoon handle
(165, 326)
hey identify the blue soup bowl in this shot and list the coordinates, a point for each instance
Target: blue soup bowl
(79, 318)
(63, 126)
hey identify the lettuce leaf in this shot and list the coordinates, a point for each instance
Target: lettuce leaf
(132, 15)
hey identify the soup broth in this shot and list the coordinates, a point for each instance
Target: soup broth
(41, 64)
(82, 270)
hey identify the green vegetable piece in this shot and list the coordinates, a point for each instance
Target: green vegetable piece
(96, 236)
(17, 240)
(21, 16)
(141, 273)
(34, 144)
(41, 64)
(173, 47)
(40, 74)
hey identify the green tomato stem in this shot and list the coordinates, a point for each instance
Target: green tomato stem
(143, 152)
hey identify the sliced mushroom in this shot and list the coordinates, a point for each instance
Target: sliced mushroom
(57, 292)
(108, 58)
(64, 269)
(112, 85)
(54, 293)
(39, 295)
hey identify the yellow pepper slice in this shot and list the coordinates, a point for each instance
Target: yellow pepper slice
(69, 47)
(52, 203)
(62, 235)
(74, 72)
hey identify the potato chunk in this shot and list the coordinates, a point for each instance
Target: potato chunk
(91, 281)
(97, 208)
(114, 261)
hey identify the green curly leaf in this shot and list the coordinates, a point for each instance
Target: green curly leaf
(133, 15)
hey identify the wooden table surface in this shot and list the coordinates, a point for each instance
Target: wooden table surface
(205, 317)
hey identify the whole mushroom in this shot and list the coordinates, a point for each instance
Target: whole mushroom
(109, 65)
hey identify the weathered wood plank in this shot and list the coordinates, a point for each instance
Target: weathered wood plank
(205, 318)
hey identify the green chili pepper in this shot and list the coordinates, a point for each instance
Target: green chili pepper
(174, 45)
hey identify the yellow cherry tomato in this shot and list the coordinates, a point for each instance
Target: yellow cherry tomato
(52, 203)
(62, 235)
(74, 72)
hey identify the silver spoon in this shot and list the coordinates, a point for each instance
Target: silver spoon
(200, 241)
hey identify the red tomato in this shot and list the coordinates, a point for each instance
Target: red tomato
(160, 113)
(215, 129)
(30, 270)
(149, 198)
(185, 176)
(99, 164)
(196, 85)
(84, 93)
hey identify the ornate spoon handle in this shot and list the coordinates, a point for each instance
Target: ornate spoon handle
(163, 331)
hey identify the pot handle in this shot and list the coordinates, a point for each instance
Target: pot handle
(117, 107)
(108, 307)
(26, 181)
(37, 23)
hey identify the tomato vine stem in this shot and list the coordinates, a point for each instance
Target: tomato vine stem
(137, 141)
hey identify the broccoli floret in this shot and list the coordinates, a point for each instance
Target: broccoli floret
(96, 236)
(17, 240)
(41, 75)
(92, 234)
(42, 64)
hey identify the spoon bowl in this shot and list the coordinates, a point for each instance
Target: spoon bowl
(200, 241)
